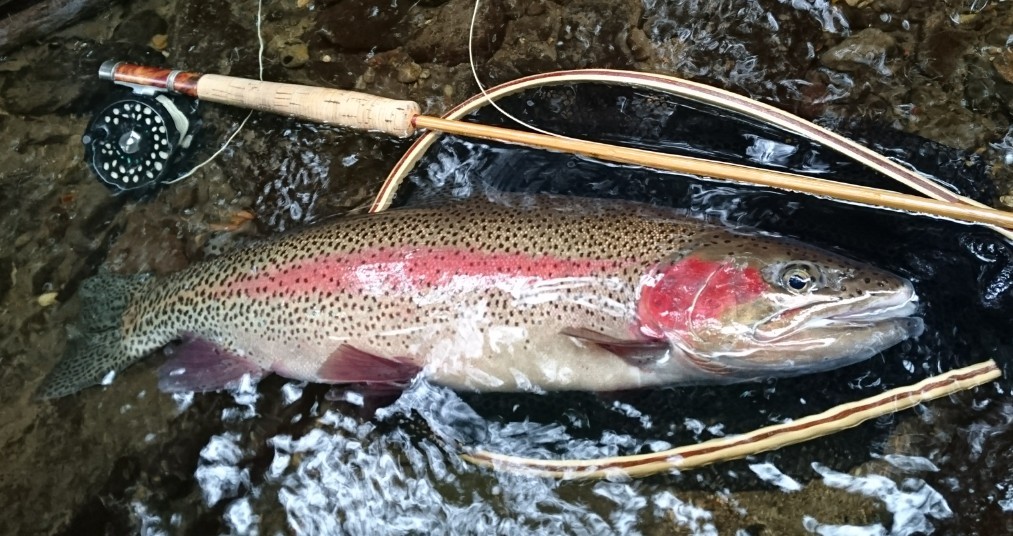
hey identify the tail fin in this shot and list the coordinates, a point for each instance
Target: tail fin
(98, 350)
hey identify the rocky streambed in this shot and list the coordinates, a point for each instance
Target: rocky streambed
(130, 459)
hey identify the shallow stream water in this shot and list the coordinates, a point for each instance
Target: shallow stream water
(283, 457)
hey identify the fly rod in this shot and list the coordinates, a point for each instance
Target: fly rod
(403, 118)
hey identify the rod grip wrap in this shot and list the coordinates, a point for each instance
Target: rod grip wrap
(331, 106)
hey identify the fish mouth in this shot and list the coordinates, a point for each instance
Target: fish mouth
(897, 305)
(824, 336)
(867, 313)
(818, 337)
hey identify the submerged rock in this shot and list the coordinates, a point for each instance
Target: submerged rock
(141, 27)
(64, 77)
(442, 34)
(600, 27)
(44, 18)
(942, 53)
(233, 47)
(529, 42)
(1003, 63)
(869, 48)
(640, 45)
(293, 54)
(409, 73)
(363, 25)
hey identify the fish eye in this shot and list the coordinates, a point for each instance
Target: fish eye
(799, 278)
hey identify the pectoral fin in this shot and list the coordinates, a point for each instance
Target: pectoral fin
(639, 352)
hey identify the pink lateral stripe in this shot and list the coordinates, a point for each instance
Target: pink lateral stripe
(383, 271)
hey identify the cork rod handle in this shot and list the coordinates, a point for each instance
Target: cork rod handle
(323, 105)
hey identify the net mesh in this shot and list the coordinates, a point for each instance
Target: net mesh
(962, 273)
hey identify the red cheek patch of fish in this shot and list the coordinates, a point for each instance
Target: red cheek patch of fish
(694, 291)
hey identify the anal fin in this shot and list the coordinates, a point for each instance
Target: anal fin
(199, 365)
(350, 365)
(638, 352)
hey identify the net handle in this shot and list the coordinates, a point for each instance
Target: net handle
(709, 168)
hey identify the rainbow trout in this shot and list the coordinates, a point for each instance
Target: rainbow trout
(544, 294)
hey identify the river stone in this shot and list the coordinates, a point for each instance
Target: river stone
(868, 48)
(22, 25)
(601, 27)
(141, 27)
(191, 48)
(363, 25)
(409, 73)
(293, 54)
(443, 35)
(881, 6)
(63, 78)
(941, 54)
(529, 41)
(640, 45)
(1003, 63)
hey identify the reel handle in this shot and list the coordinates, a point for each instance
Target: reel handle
(351, 109)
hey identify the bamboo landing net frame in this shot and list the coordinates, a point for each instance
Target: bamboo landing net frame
(764, 439)
(402, 118)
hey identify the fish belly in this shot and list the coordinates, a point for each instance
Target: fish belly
(484, 339)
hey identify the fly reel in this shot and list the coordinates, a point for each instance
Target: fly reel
(137, 142)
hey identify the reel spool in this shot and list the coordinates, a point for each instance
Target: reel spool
(136, 142)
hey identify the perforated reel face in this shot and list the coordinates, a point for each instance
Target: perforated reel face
(130, 144)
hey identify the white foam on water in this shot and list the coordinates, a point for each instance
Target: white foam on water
(771, 474)
(245, 395)
(770, 152)
(633, 413)
(810, 524)
(148, 524)
(291, 392)
(240, 518)
(829, 15)
(218, 472)
(695, 520)
(343, 477)
(912, 502)
(183, 400)
(910, 464)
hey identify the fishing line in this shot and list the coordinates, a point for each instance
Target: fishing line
(260, 75)
(488, 98)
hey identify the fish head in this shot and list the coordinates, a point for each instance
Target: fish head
(756, 306)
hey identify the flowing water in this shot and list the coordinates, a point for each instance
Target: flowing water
(288, 458)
